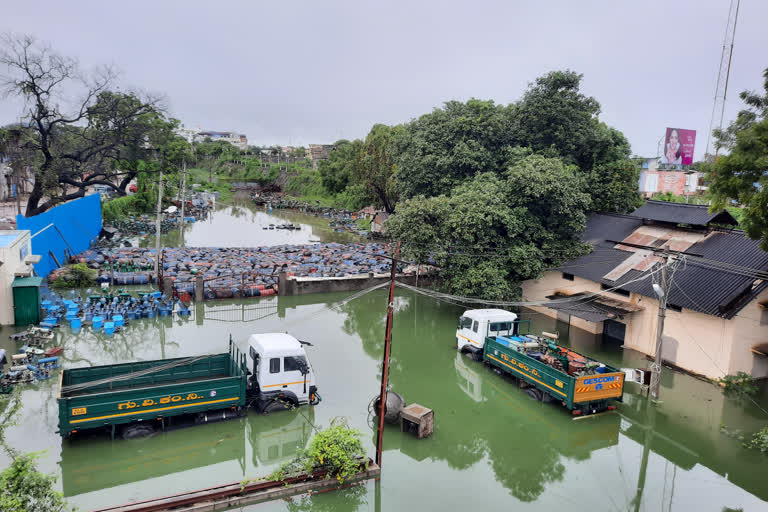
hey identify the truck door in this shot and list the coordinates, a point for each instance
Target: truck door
(465, 334)
(297, 376)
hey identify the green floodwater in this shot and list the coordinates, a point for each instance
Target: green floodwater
(493, 447)
(242, 225)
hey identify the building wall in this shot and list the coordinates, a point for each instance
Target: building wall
(11, 256)
(677, 182)
(699, 343)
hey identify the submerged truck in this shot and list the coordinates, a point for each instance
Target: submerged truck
(549, 372)
(136, 399)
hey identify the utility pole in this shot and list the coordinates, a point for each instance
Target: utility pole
(183, 183)
(385, 364)
(157, 229)
(663, 294)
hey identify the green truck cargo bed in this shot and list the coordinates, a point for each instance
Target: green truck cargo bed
(581, 394)
(116, 394)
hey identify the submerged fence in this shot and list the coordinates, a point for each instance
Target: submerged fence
(63, 231)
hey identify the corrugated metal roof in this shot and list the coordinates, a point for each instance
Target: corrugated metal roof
(696, 287)
(679, 213)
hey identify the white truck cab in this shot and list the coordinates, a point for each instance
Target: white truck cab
(476, 324)
(281, 375)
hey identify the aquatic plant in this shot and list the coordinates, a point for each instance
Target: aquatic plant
(739, 384)
(759, 440)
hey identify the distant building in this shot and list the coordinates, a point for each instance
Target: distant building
(238, 140)
(377, 224)
(656, 178)
(188, 133)
(317, 152)
(15, 261)
(717, 315)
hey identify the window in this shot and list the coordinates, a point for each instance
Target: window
(674, 307)
(474, 326)
(466, 323)
(500, 326)
(567, 276)
(274, 365)
(294, 363)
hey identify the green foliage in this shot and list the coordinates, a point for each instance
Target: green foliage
(120, 207)
(337, 449)
(494, 232)
(377, 167)
(742, 175)
(442, 149)
(740, 384)
(338, 171)
(613, 187)
(24, 489)
(75, 276)
(759, 441)
(668, 197)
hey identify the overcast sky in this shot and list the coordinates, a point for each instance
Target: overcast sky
(313, 71)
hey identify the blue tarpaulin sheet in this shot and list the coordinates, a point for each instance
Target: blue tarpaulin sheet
(73, 227)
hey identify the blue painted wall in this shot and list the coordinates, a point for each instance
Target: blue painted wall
(76, 225)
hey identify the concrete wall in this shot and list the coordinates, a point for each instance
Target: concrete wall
(699, 343)
(301, 285)
(12, 264)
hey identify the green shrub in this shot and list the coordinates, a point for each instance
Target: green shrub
(337, 449)
(74, 276)
(759, 441)
(739, 384)
(120, 207)
(24, 489)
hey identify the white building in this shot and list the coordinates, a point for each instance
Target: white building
(15, 261)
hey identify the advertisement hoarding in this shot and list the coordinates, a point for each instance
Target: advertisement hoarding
(678, 147)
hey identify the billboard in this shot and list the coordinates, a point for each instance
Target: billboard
(678, 147)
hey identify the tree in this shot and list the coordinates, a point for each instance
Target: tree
(742, 175)
(441, 149)
(493, 232)
(556, 118)
(376, 168)
(613, 187)
(24, 489)
(79, 143)
(338, 171)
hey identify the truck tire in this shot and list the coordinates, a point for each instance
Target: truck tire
(138, 431)
(535, 394)
(477, 355)
(275, 405)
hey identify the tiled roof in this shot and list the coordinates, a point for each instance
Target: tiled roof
(679, 213)
(700, 288)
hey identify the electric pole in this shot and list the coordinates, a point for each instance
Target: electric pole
(663, 294)
(387, 347)
(157, 228)
(183, 183)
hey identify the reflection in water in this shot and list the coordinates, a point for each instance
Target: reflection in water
(492, 447)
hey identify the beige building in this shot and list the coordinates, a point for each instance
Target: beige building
(15, 261)
(717, 321)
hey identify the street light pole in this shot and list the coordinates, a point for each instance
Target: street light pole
(663, 294)
(157, 229)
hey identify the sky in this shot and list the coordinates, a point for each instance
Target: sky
(299, 71)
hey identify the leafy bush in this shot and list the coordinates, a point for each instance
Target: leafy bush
(74, 276)
(759, 441)
(739, 384)
(336, 449)
(122, 207)
(24, 489)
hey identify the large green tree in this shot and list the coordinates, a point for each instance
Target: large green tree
(458, 141)
(76, 143)
(24, 489)
(338, 171)
(493, 232)
(742, 175)
(376, 168)
(556, 118)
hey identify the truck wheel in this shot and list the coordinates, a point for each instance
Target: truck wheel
(546, 397)
(275, 405)
(534, 393)
(477, 355)
(138, 431)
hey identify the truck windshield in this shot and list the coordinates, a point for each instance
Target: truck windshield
(294, 363)
(465, 323)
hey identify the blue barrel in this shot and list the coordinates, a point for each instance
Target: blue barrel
(75, 323)
(50, 320)
(149, 312)
(164, 311)
(118, 320)
(109, 328)
(133, 314)
(97, 322)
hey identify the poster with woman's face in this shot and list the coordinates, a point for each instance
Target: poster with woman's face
(678, 146)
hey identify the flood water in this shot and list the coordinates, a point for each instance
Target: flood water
(493, 447)
(243, 225)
